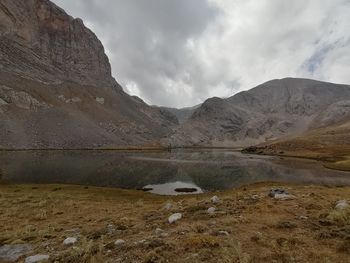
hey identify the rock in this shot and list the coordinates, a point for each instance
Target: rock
(284, 196)
(215, 199)
(11, 253)
(275, 191)
(37, 258)
(280, 194)
(174, 217)
(119, 242)
(100, 101)
(223, 233)
(70, 241)
(211, 210)
(341, 205)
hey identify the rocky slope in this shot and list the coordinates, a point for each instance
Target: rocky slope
(182, 114)
(275, 109)
(56, 88)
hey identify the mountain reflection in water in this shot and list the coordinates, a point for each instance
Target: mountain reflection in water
(204, 170)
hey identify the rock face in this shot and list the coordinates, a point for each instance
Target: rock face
(272, 110)
(40, 41)
(56, 88)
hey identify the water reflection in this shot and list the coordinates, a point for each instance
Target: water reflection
(205, 170)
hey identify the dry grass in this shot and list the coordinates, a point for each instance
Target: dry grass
(330, 145)
(245, 229)
(343, 165)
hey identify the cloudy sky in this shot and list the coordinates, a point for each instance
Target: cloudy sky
(180, 52)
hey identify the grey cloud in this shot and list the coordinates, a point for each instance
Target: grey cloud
(146, 40)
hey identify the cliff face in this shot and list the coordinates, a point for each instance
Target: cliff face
(56, 88)
(40, 41)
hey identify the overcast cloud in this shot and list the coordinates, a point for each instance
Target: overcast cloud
(180, 52)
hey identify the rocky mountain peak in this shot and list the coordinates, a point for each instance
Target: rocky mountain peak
(40, 41)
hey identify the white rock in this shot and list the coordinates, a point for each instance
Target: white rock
(211, 210)
(119, 242)
(70, 241)
(37, 258)
(284, 196)
(174, 217)
(215, 199)
(342, 204)
(100, 100)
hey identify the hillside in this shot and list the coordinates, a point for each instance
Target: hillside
(330, 144)
(56, 88)
(275, 109)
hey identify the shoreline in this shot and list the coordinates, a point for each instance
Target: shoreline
(121, 149)
(327, 162)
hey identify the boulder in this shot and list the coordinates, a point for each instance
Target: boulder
(37, 258)
(11, 253)
(174, 217)
(211, 210)
(341, 205)
(119, 242)
(280, 194)
(70, 241)
(215, 199)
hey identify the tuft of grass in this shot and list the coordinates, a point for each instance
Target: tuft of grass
(201, 241)
(339, 217)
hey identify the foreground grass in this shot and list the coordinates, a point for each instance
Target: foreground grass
(248, 226)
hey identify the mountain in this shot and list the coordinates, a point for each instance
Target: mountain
(182, 114)
(56, 88)
(275, 109)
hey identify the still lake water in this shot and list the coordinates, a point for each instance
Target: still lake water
(162, 172)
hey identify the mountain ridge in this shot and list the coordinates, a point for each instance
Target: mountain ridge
(271, 110)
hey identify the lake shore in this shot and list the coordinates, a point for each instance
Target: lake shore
(246, 226)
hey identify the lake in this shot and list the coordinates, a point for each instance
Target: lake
(168, 173)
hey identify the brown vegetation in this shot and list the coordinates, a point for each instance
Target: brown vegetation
(248, 226)
(331, 145)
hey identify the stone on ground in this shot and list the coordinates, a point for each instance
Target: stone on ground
(174, 217)
(37, 258)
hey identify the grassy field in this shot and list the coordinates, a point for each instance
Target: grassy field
(248, 226)
(330, 145)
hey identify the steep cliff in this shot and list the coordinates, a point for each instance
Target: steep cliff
(56, 88)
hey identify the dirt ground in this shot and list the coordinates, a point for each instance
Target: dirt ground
(247, 226)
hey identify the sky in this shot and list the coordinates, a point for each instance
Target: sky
(178, 53)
